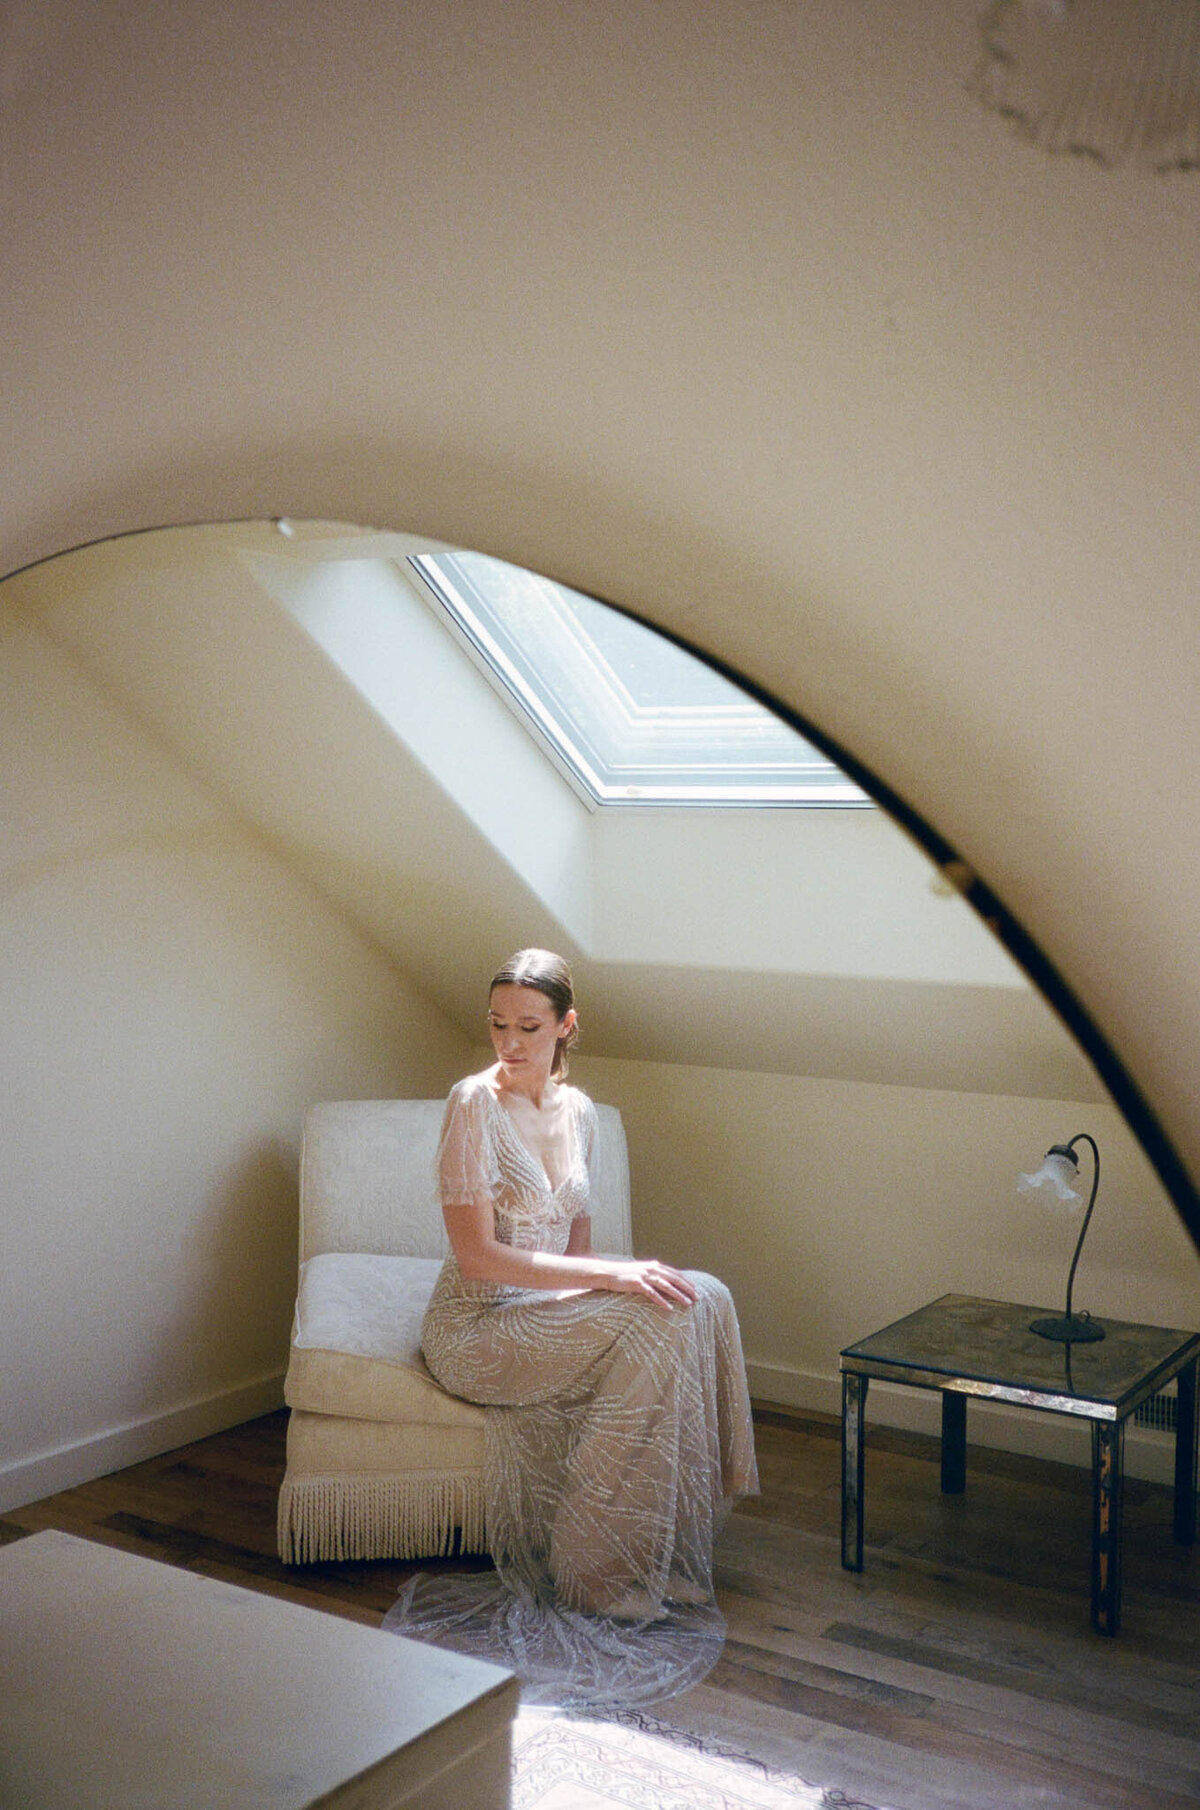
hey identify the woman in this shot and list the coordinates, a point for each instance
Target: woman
(618, 1427)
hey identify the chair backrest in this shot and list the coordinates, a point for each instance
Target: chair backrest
(368, 1180)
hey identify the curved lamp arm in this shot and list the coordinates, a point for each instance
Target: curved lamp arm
(1083, 1137)
(1058, 1164)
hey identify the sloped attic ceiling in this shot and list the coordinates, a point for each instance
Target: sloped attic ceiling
(308, 680)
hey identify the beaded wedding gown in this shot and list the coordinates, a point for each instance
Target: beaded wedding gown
(617, 1435)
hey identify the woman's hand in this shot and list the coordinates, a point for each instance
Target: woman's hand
(658, 1282)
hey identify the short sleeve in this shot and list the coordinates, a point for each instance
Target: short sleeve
(465, 1161)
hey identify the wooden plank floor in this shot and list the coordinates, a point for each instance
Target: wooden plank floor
(958, 1670)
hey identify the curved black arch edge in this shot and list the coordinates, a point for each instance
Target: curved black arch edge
(1127, 1096)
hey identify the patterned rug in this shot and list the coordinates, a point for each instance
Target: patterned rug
(636, 1763)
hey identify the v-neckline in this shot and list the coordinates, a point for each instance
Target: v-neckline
(527, 1149)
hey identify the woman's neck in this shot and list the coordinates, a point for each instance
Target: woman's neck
(540, 1090)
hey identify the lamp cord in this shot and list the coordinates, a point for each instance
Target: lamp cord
(1083, 1137)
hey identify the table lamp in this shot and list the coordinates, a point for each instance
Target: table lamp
(1060, 1168)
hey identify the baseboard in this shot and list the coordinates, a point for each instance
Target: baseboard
(1148, 1454)
(82, 1460)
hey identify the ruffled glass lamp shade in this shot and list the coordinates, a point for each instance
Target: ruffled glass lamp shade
(1116, 81)
(1059, 1169)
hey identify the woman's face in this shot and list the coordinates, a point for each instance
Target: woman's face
(525, 1030)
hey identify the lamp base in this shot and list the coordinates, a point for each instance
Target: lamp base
(1078, 1330)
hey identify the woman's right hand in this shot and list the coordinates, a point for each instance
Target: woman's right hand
(658, 1282)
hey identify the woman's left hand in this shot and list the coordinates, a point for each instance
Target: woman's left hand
(658, 1282)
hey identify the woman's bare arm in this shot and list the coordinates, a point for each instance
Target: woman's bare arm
(483, 1258)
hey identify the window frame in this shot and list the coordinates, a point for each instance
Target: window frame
(553, 721)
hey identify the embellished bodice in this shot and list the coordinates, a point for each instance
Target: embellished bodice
(484, 1160)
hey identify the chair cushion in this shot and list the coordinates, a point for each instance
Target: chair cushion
(356, 1344)
(335, 1445)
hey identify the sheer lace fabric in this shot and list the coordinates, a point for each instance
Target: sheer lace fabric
(617, 1435)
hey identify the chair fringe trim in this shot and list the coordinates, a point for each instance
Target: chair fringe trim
(380, 1517)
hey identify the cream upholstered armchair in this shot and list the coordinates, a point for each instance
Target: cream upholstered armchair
(381, 1462)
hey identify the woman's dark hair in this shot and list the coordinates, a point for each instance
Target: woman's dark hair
(549, 974)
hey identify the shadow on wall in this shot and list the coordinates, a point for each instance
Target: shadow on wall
(232, 1313)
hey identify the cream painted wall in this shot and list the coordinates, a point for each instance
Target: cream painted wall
(832, 1208)
(175, 996)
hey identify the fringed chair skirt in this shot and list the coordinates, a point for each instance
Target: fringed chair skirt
(351, 1494)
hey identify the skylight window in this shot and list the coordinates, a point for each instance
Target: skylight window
(628, 716)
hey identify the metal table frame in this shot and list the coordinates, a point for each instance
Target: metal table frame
(1107, 1417)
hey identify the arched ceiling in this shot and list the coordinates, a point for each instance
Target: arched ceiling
(299, 671)
(745, 316)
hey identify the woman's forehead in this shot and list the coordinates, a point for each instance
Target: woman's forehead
(510, 996)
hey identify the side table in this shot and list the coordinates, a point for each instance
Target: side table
(964, 1346)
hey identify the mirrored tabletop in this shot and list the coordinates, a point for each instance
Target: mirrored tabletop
(968, 1340)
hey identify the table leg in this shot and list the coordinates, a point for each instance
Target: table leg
(1108, 1448)
(1185, 1455)
(854, 1401)
(954, 1442)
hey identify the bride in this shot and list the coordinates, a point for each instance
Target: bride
(617, 1419)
